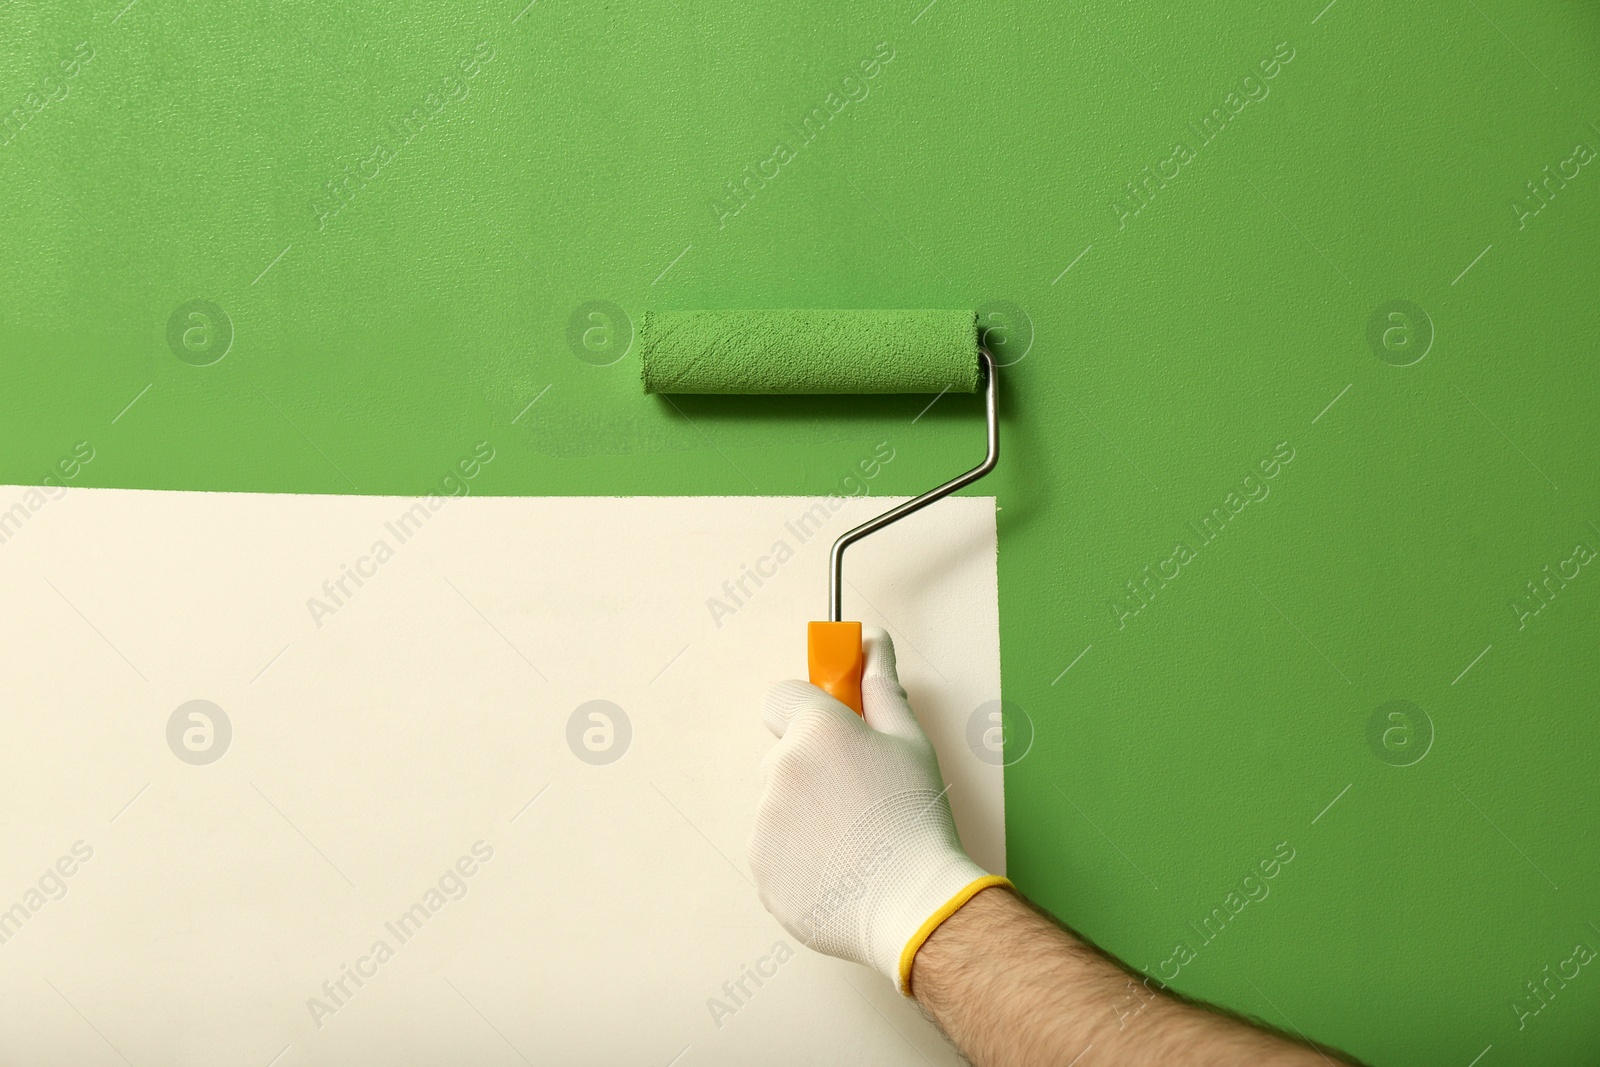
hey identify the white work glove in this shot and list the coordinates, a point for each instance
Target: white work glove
(854, 850)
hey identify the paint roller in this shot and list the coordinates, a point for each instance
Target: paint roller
(827, 352)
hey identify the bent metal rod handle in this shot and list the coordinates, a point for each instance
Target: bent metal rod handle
(833, 648)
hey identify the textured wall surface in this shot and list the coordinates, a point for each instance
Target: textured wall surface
(1298, 302)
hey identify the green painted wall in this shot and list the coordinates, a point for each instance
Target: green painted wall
(495, 167)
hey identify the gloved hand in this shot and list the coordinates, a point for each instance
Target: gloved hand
(854, 850)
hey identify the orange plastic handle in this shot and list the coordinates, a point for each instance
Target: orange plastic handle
(833, 653)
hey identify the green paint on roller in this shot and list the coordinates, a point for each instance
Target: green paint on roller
(809, 351)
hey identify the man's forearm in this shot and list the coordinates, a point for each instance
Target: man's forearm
(1012, 989)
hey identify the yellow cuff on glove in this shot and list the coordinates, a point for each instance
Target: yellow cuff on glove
(908, 955)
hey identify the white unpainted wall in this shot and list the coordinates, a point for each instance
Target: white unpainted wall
(387, 737)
